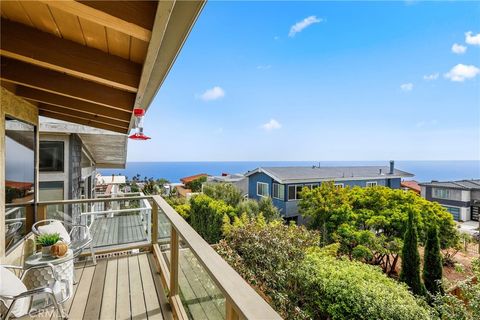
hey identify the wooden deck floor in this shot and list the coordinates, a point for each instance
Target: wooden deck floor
(119, 229)
(119, 288)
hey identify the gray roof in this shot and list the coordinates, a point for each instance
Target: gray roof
(312, 174)
(473, 184)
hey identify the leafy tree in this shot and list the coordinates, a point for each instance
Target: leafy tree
(206, 216)
(432, 264)
(223, 191)
(373, 218)
(410, 273)
(248, 206)
(326, 208)
(196, 184)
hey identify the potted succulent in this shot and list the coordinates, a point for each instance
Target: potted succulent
(47, 240)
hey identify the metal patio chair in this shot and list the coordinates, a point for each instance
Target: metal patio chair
(31, 301)
(78, 239)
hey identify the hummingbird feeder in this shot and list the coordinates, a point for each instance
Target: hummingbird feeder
(139, 135)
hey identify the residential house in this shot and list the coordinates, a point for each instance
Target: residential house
(461, 198)
(237, 180)
(283, 184)
(410, 185)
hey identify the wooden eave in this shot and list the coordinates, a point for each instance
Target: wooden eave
(91, 62)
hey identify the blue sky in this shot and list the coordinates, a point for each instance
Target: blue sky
(321, 81)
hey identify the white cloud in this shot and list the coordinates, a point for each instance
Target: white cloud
(264, 66)
(213, 94)
(271, 125)
(299, 26)
(430, 77)
(472, 39)
(406, 87)
(458, 48)
(462, 72)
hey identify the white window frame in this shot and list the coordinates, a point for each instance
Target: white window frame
(261, 195)
(339, 185)
(280, 191)
(371, 184)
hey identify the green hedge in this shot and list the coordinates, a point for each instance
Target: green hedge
(206, 216)
(329, 288)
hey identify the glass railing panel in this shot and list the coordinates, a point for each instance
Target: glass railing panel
(16, 224)
(110, 223)
(200, 296)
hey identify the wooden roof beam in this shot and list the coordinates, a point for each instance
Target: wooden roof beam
(55, 82)
(45, 50)
(72, 104)
(105, 18)
(80, 120)
(84, 115)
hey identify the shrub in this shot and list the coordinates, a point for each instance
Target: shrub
(196, 185)
(223, 191)
(329, 288)
(206, 216)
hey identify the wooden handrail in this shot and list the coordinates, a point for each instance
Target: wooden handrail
(54, 202)
(242, 301)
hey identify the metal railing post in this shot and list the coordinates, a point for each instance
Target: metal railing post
(174, 250)
(154, 222)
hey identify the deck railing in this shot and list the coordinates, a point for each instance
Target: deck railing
(199, 282)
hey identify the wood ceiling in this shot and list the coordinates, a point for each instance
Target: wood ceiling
(91, 62)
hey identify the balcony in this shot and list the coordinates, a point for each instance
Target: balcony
(150, 264)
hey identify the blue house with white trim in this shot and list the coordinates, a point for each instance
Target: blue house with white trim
(283, 184)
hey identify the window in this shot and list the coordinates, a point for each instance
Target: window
(278, 191)
(441, 193)
(51, 191)
(19, 155)
(51, 155)
(262, 189)
(340, 185)
(294, 191)
(371, 183)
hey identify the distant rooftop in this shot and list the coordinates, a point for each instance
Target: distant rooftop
(473, 184)
(188, 179)
(314, 173)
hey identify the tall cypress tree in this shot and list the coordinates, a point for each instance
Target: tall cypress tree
(432, 262)
(410, 273)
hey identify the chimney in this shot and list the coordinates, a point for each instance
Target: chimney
(392, 166)
(380, 171)
(113, 177)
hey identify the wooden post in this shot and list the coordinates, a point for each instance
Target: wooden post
(29, 218)
(231, 314)
(41, 212)
(174, 262)
(154, 217)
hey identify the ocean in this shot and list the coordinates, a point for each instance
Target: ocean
(424, 171)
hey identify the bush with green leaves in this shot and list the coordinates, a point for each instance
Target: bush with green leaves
(266, 255)
(206, 216)
(331, 288)
(196, 184)
(48, 239)
(223, 191)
